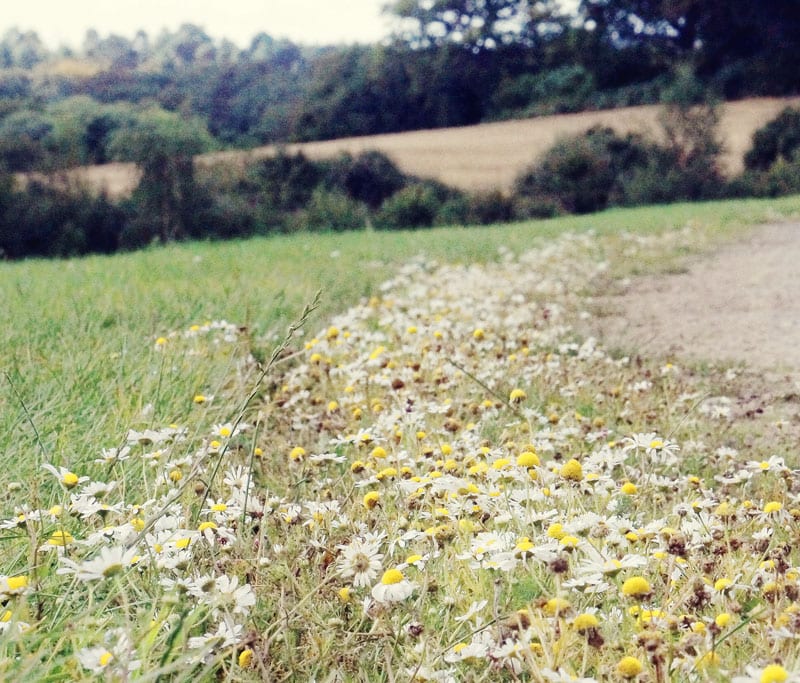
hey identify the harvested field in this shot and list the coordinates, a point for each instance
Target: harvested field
(483, 157)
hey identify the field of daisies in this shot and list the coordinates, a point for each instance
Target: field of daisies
(446, 479)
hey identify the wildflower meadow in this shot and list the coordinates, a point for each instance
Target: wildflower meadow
(436, 473)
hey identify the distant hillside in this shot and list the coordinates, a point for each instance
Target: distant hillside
(482, 157)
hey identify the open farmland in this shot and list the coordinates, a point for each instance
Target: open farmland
(486, 156)
(438, 478)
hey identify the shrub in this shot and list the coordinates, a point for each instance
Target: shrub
(485, 208)
(287, 181)
(414, 206)
(563, 89)
(779, 138)
(600, 168)
(578, 173)
(454, 211)
(782, 178)
(371, 178)
(47, 221)
(229, 215)
(525, 207)
(330, 211)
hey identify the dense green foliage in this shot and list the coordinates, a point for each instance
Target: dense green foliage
(160, 102)
(288, 192)
(780, 138)
(449, 63)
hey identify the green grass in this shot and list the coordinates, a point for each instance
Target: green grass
(80, 367)
(72, 349)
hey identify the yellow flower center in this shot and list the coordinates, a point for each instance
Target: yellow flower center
(371, 499)
(61, 538)
(721, 584)
(636, 586)
(391, 577)
(774, 673)
(585, 621)
(517, 395)
(16, 583)
(723, 619)
(528, 459)
(112, 569)
(629, 667)
(572, 470)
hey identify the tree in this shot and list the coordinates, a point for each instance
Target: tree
(163, 146)
(371, 178)
(713, 34)
(476, 24)
(20, 49)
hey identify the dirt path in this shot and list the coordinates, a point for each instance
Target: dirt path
(741, 304)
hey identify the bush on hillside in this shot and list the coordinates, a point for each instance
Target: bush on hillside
(51, 222)
(415, 206)
(286, 181)
(486, 208)
(481, 208)
(330, 211)
(589, 172)
(563, 89)
(782, 178)
(371, 177)
(780, 138)
(580, 174)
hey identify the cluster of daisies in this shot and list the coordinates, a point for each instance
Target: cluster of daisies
(496, 494)
(446, 483)
(138, 558)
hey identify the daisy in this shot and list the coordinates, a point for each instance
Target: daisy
(95, 658)
(360, 561)
(772, 673)
(110, 561)
(474, 609)
(67, 478)
(110, 456)
(393, 587)
(227, 634)
(13, 585)
(228, 593)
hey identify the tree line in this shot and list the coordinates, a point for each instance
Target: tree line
(159, 102)
(450, 62)
(289, 192)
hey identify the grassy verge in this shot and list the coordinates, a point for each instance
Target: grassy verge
(72, 348)
(97, 347)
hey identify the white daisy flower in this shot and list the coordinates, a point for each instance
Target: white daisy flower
(393, 587)
(110, 561)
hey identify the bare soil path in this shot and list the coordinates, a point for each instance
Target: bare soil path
(740, 304)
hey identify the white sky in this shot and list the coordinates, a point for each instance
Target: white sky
(65, 22)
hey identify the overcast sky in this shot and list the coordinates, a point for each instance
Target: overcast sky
(64, 22)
